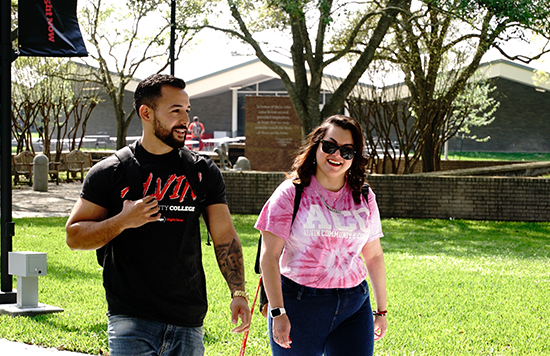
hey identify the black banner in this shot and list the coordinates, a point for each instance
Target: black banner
(49, 28)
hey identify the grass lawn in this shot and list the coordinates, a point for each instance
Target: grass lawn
(454, 288)
(499, 156)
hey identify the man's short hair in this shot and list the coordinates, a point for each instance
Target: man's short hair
(148, 90)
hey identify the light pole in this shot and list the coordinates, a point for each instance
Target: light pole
(7, 295)
(173, 37)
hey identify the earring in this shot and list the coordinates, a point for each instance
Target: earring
(314, 162)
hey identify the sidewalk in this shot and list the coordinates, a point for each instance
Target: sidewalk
(12, 348)
(57, 201)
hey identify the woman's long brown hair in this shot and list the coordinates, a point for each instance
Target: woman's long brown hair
(304, 164)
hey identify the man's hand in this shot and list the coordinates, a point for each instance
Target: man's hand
(88, 227)
(140, 212)
(240, 310)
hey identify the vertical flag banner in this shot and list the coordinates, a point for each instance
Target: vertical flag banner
(49, 28)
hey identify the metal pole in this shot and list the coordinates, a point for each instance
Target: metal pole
(6, 225)
(173, 38)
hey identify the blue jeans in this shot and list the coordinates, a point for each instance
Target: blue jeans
(129, 336)
(332, 322)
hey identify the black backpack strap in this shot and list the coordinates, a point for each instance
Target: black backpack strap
(365, 191)
(191, 172)
(131, 168)
(297, 198)
(135, 185)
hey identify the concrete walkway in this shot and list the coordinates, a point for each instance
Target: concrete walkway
(11, 348)
(57, 201)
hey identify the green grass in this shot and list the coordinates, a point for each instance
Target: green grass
(499, 156)
(454, 288)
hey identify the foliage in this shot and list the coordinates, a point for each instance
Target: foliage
(454, 288)
(388, 127)
(391, 128)
(439, 46)
(472, 107)
(308, 27)
(45, 101)
(124, 36)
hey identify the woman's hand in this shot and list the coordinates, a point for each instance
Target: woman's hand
(281, 331)
(380, 327)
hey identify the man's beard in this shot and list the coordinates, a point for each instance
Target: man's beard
(166, 135)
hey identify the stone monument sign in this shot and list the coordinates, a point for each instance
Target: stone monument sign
(273, 133)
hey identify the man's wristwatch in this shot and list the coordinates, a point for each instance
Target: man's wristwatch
(275, 312)
(240, 293)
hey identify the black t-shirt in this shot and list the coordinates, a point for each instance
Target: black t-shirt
(155, 271)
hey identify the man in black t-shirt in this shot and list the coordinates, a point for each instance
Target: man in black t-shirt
(150, 248)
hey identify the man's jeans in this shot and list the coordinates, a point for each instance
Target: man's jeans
(326, 321)
(130, 336)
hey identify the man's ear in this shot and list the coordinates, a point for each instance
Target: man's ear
(146, 113)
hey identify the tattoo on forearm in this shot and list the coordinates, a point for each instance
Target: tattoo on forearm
(230, 260)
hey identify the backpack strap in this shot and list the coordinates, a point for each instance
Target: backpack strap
(135, 186)
(188, 162)
(365, 191)
(192, 174)
(131, 168)
(297, 198)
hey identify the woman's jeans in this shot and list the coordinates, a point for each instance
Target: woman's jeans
(130, 336)
(326, 321)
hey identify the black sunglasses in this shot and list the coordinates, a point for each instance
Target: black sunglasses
(346, 152)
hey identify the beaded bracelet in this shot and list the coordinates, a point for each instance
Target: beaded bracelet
(380, 313)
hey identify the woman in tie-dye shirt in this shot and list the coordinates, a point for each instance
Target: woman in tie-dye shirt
(314, 269)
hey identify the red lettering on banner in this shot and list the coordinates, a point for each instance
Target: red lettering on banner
(49, 17)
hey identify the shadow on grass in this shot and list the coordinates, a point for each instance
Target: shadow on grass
(51, 222)
(458, 238)
(466, 238)
(64, 273)
(53, 320)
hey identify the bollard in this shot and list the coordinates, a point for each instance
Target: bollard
(40, 172)
(242, 164)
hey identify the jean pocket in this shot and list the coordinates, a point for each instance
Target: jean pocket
(291, 289)
(364, 287)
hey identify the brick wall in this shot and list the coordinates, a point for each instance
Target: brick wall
(471, 198)
(248, 191)
(418, 196)
(451, 165)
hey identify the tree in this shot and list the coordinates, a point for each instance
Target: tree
(311, 26)
(388, 125)
(439, 47)
(44, 101)
(124, 37)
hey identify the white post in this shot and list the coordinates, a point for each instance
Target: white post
(234, 112)
(27, 292)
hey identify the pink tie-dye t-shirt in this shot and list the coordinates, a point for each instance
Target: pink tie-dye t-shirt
(323, 249)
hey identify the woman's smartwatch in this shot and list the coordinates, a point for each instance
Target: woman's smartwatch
(276, 312)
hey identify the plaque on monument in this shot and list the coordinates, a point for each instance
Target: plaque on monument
(273, 133)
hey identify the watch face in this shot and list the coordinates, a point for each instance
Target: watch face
(275, 312)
